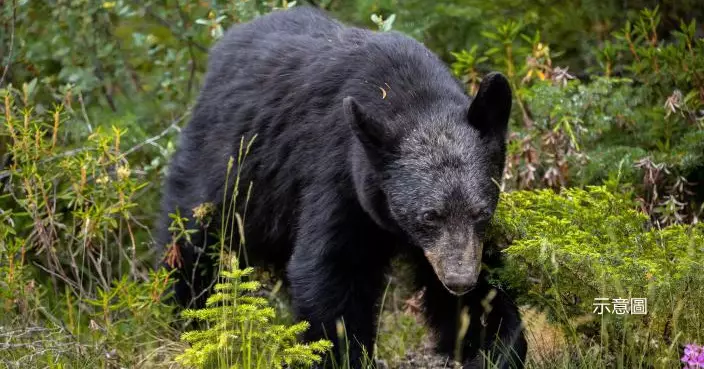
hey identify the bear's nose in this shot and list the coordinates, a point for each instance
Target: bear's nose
(459, 283)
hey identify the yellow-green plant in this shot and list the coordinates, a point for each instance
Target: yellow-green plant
(240, 332)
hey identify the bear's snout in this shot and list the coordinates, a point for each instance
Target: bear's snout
(459, 284)
(457, 264)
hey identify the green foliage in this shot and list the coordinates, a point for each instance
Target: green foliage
(383, 24)
(133, 65)
(71, 256)
(583, 244)
(567, 121)
(110, 48)
(663, 66)
(402, 333)
(568, 132)
(466, 67)
(575, 27)
(240, 333)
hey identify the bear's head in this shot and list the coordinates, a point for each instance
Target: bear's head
(434, 173)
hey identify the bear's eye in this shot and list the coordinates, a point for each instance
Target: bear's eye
(430, 216)
(483, 215)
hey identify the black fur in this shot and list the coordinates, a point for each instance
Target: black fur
(366, 147)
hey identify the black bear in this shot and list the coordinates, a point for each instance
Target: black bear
(367, 147)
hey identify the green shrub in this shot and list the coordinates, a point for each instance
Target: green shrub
(583, 244)
(73, 251)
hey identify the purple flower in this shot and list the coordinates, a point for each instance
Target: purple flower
(693, 356)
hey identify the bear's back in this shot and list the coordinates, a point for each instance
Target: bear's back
(273, 38)
(300, 59)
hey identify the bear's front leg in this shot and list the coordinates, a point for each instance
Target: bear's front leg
(337, 274)
(493, 338)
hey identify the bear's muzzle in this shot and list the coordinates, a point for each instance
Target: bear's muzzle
(457, 264)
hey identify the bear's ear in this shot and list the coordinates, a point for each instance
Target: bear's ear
(370, 131)
(491, 107)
